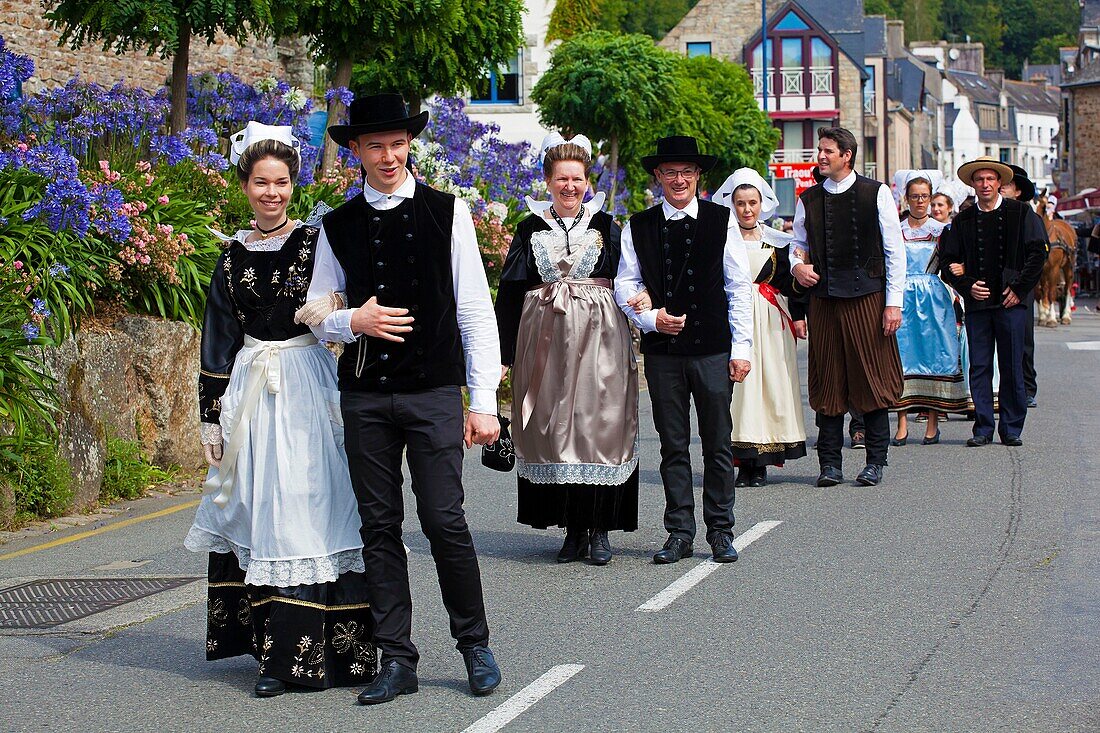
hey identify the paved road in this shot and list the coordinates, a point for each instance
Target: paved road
(962, 595)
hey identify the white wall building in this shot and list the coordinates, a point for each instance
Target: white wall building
(1037, 128)
(505, 99)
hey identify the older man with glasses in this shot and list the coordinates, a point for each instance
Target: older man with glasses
(696, 337)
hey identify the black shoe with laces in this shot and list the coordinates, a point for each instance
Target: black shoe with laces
(394, 679)
(482, 669)
(575, 546)
(675, 549)
(722, 547)
(599, 552)
(871, 475)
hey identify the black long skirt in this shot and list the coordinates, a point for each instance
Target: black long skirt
(579, 506)
(767, 455)
(310, 635)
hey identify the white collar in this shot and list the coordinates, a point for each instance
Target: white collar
(404, 191)
(539, 208)
(1000, 200)
(842, 185)
(672, 213)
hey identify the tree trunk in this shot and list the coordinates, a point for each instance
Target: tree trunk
(613, 168)
(416, 104)
(341, 77)
(177, 121)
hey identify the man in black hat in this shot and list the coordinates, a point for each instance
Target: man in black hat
(419, 324)
(1022, 188)
(696, 338)
(1001, 244)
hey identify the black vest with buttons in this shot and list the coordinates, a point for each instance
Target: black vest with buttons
(402, 256)
(682, 268)
(845, 240)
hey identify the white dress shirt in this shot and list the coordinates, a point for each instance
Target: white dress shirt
(888, 223)
(474, 305)
(735, 270)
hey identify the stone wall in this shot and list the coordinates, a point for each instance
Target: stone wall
(135, 380)
(726, 24)
(26, 32)
(1086, 137)
(850, 99)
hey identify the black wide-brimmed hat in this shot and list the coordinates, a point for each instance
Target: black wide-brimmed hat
(377, 113)
(678, 149)
(1025, 185)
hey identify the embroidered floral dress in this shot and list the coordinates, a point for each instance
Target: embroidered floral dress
(282, 528)
(574, 377)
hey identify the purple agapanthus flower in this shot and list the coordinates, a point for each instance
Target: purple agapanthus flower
(30, 331)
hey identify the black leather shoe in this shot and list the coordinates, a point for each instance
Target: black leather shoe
(830, 476)
(722, 546)
(899, 441)
(394, 679)
(482, 669)
(1012, 440)
(870, 475)
(675, 549)
(599, 548)
(931, 440)
(759, 477)
(269, 687)
(744, 473)
(575, 546)
(978, 440)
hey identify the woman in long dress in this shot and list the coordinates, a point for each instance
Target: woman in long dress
(280, 520)
(574, 377)
(928, 339)
(768, 428)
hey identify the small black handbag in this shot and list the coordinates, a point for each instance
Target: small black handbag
(500, 455)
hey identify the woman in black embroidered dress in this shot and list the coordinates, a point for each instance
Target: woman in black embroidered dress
(575, 381)
(279, 521)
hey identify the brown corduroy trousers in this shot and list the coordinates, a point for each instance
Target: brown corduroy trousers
(851, 363)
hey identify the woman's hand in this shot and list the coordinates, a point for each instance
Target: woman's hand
(799, 328)
(641, 301)
(957, 269)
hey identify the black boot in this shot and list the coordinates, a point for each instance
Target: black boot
(759, 476)
(269, 687)
(744, 473)
(575, 546)
(600, 548)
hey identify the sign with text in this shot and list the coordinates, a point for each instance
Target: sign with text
(803, 173)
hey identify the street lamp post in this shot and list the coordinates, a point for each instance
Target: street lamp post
(764, 49)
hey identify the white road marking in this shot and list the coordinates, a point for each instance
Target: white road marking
(514, 706)
(1083, 345)
(697, 574)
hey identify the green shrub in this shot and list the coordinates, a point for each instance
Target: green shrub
(40, 479)
(129, 473)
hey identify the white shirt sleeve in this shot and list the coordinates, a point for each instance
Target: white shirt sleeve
(893, 247)
(799, 249)
(328, 276)
(628, 283)
(474, 308)
(738, 285)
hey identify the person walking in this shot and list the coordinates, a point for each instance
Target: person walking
(1022, 188)
(419, 324)
(768, 428)
(574, 377)
(291, 593)
(1001, 244)
(696, 337)
(847, 253)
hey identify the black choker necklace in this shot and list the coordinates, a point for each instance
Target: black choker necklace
(265, 233)
(747, 229)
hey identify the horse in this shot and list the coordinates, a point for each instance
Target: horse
(1056, 281)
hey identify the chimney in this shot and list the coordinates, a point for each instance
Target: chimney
(997, 76)
(895, 38)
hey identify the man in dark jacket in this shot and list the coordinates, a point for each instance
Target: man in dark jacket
(1002, 245)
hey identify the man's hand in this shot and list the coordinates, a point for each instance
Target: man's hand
(978, 291)
(957, 269)
(891, 320)
(213, 455)
(805, 275)
(503, 371)
(641, 301)
(1010, 299)
(739, 369)
(670, 325)
(799, 328)
(372, 319)
(481, 429)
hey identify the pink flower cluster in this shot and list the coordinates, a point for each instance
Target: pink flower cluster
(109, 175)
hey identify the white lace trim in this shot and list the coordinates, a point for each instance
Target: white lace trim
(576, 473)
(590, 239)
(587, 263)
(279, 573)
(211, 433)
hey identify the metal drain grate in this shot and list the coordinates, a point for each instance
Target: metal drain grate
(42, 604)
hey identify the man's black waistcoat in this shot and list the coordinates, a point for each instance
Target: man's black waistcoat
(681, 263)
(845, 240)
(402, 256)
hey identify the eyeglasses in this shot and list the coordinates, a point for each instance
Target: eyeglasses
(919, 196)
(671, 175)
